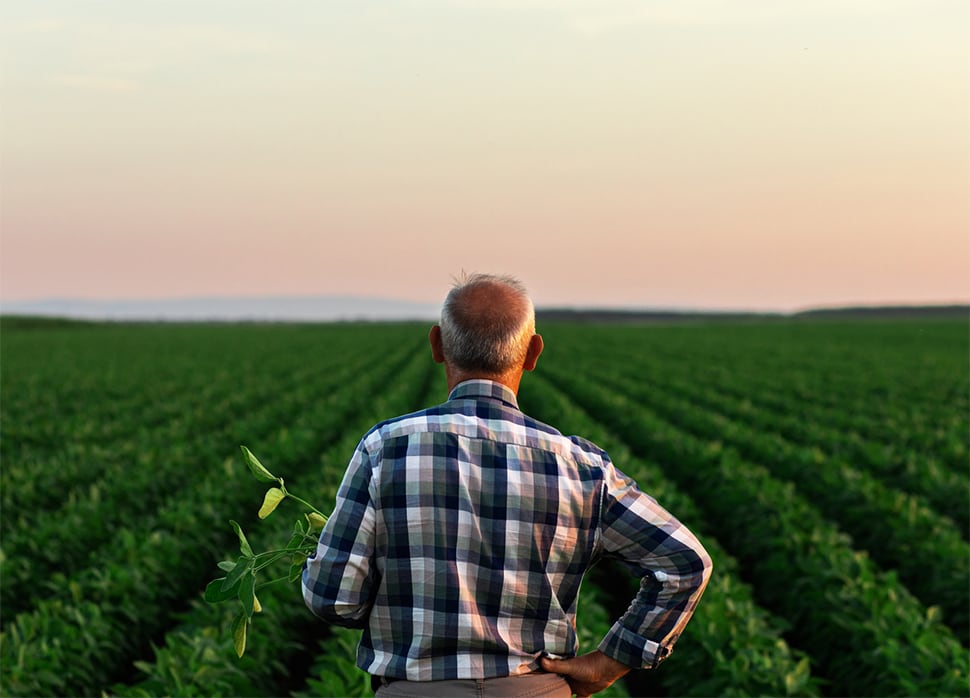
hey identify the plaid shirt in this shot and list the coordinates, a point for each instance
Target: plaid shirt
(460, 538)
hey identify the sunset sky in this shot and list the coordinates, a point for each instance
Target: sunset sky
(734, 154)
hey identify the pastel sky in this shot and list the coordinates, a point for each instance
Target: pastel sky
(732, 154)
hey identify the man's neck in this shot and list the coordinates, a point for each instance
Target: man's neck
(510, 380)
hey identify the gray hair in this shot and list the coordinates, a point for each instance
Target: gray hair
(491, 338)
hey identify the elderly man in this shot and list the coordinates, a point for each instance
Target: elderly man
(461, 533)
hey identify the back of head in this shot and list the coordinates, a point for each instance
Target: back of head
(486, 323)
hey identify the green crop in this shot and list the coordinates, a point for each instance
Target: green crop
(241, 581)
(823, 464)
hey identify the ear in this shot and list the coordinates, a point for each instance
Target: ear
(437, 353)
(532, 354)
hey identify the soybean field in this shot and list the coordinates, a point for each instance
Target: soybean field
(825, 465)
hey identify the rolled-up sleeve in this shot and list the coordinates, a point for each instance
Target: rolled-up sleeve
(339, 578)
(673, 566)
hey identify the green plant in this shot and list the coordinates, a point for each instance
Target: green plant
(240, 583)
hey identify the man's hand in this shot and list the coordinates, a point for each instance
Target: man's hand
(587, 674)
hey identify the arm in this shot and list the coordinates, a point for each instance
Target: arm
(339, 579)
(673, 566)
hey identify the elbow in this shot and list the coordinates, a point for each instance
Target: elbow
(704, 568)
(344, 615)
(327, 607)
(693, 573)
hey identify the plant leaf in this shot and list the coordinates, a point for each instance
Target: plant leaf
(273, 497)
(296, 540)
(238, 572)
(257, 468)
(247, 593)
(244, 547)
(239, 633)
(226, 565)
(214, 592)
(296, 571)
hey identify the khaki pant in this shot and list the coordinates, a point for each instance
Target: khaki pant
(521, 686)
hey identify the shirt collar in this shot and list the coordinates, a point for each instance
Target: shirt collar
(481, 388)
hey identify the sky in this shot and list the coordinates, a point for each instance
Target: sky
(708, 154)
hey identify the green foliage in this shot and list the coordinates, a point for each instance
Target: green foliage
(835, 599)
(335, 673)
(289, 631)
(806, 455)
(898, 529)
(150, 568)
(240, 584)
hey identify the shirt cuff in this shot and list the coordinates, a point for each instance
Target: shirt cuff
(624, 645)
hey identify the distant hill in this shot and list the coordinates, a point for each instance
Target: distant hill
(351, 308)
(225, 309)
(890, 311)
(611, 315)
(887, 312)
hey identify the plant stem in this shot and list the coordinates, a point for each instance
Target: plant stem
(305, 503)
(272, 581)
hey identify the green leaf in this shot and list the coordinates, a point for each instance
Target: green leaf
(296, 571)
(247, 593)
(296, 540)
(273, 497)
(239, 633)
(226, 565)
(257, 468)
(244, 547)
(238, 572)
(214, 593)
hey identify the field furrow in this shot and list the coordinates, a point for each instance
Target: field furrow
(127, 598)
(825, 465)
(268, 667)
(801, 566)
(897, 529)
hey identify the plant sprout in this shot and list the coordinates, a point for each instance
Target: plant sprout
(240, 583)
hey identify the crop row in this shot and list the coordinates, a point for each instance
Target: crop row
(179, 668)
(771, 442)
(72, 392)
(79, 644)
(73, 471)
(945, 490)
(213, 383)
(899, 530)
(715, 388)
(837, 601)
(893, 394)
(39, 542)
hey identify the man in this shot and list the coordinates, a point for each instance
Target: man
(461, 533)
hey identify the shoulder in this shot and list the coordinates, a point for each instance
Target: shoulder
(401, 425)
(574, 447)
